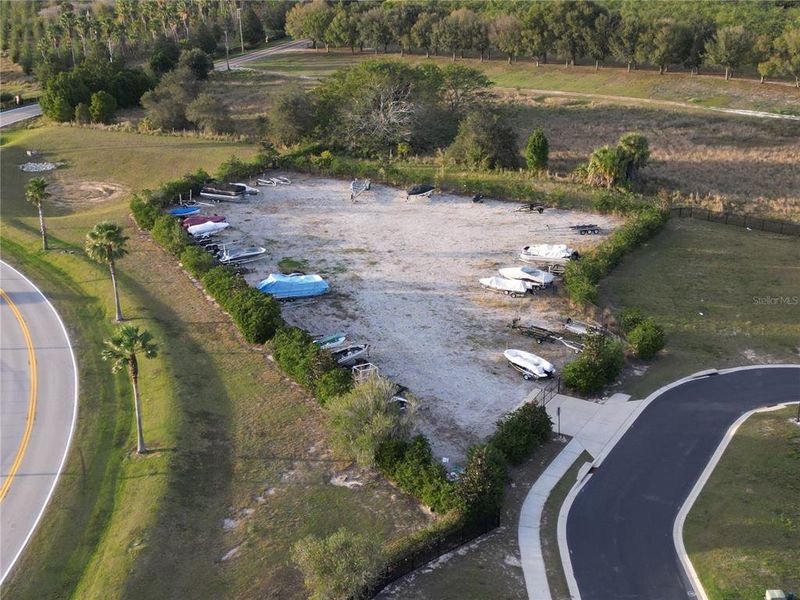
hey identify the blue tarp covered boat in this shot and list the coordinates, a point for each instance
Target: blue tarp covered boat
(293, 286)
(184, 211)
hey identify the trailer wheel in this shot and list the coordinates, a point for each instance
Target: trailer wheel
(540, 209)
(596, 231)
(527, 377)
(583, 232)
(539, 341)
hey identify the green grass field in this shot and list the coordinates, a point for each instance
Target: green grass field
(708, 91)
(233, 438)
(743, 533)
(703, 282)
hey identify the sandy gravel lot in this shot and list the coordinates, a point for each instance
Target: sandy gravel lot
(404, 278)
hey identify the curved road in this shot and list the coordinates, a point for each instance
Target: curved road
(620, 524)
(38, 408)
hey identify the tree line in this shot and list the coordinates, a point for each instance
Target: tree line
(690, 35)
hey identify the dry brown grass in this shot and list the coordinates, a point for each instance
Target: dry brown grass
(718, 161)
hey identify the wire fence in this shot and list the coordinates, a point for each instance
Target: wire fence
(771, 225)
(431, 550)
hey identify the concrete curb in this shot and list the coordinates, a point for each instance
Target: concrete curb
(563, 546)
(677, 528)
(71, 427)
(530, 519)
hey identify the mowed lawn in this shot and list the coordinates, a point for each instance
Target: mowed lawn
(707, 284)
(709, 91)
(240, 468)
(743, 533)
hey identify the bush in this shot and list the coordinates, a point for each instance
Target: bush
(637, 149)
(256, 314)
(166, 104)
(291, 115)
(599, 363)
(62, 93)
(537, 151)
(607, 202)
(167, 231)
(144, 212)
(209, 114)
(164, 55)
(607, 166)
(365, 417)
(332, 384)
(481, 486)
(82, 114)
(338, 566)
(630, 318)
(646, 339)
(102, 107)
(197, 61)
(410, 466)
(485, 141)
(297, 355)
(197, 261)
(519, 433)
(222, 283)
(236, 168)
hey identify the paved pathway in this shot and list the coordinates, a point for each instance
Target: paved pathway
(38, 407)
(15, 115)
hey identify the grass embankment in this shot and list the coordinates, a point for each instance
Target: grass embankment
(703, 91)
(705, 283)
(14, 81)
(233, 438)
(549, 529)
(743, 533)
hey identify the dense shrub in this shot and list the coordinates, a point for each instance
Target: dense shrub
(297, 355)
(196, 260)
(209, 114)
(82, 114)
(144, 211)
(630, 318)
(188, 185)
(333, 383)
(612, 165)
(646, 338)
(102, 107)
(607, 202)
(291, 115)
(236, 168)
(485, 141)
(480, 488)
(599, 363)
(164, 55)
(197, 61)
(537, 151)
(410, 466)
(167, 231)
(256, 314)
(520, 432)
(365, 417)
(166, 104)
(222, 283)
(339, 566)
(62, 94)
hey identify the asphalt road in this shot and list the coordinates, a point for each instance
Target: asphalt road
(619, 528)
(15, 115)
(38, 407)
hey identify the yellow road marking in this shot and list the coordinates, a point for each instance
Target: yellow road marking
(32, 400)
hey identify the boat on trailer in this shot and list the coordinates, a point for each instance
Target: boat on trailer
(242, 254)
(534, 277)
(510, 287)
(184, 211)
(200, 219)
(206, 229)
(284, 287)
(419, 191)
(529, 364)
(348, 356)
(223, 191)
(249, 190)
(334, 340)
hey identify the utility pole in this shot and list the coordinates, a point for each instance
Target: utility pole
(241, 35)
(227, 51)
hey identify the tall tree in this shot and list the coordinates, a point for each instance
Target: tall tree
(375, 30)
(538, 35)
(505, 32)
(36, 193)
(309, 19)
(105, 243)
(665, 43)
(598, 36)
(729, 48)
(786, 57)
(122, 351)
(401, 19)
(700, 30)
(422, 33)
(569, 22)
(625, 41)
(252, 29)
(343, 30)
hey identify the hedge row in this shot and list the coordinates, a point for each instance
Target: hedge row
(310, 366)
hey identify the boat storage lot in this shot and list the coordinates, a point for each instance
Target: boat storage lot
(404, 278)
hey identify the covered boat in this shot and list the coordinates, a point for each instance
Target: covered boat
(420, 190)
(208, 228)
(241, 254)
(282, 286)
(512, 287)
(548, 253)
(348, 356)
(537, 277)
(252, 191)
(530, 365)
(184, 211)
(200, 219)
(223, 191)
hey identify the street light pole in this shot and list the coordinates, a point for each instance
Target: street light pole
(227, 51)
(241, 35)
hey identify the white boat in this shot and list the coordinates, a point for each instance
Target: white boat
(511, 287)
(530, 365)
(537, 277)
(249, 189)
(348, 356)
(208, 228)
(328, 342)
(243, 254)
(550, 253)
(222, 191)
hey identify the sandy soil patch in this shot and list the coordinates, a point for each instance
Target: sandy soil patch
(404, 277)
(68, 193)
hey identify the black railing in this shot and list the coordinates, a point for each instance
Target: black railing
(771, 225)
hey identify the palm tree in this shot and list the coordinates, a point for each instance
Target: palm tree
(105, 243)
(121, 350)
(36, 193)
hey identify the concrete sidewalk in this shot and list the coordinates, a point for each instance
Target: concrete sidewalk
(593, 426)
